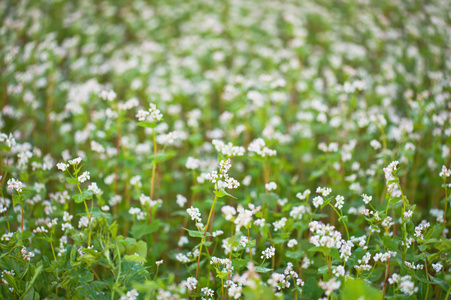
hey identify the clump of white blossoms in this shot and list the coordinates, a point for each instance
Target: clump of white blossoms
(222, 179)
(407, 286)
(107, 95)
(329, 286)
(324, 235)
(445, 172)
(271, 186)
(228, 149)
(437, 267)
(152, 115)
(367, 199)
(325, 191)
(318, 201)
(16, 185)
(268, 252)
(131, 295)
(392, 167)
(258, 147)
(339, 201)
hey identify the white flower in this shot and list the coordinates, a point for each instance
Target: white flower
(192, 163)
(14, 184)
(318, 201)
(407, 286)
(159, 262)
(84, 222)
(325, 191)
(437, 267)
(131, 295)
(445, 172)
(339, 201)
(134, 211)
(228, 211)
(268, 252)
(194, 213)
(291, 243)
(339, 271)
(367, 199)
(107, 95)
(271, 186)
(408, 214)
(330, 285)
(279, 224)
(75, 161)
(62, 166)
(181, 200)
(83, 177)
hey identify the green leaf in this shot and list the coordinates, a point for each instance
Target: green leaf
(142, 229)
(296, 255)
(71, 180)
(86, 195)
(261, 269)
(147, 124)
(221, 193)
(359, 289)
(197, 234)
(389, 243)
(134, 258)
(17, 199)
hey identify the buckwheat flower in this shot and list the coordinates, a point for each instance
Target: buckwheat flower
(271, 186)
(367, 199)
(14, 184)
(94, 188)
(182, 258)
(131, 295)
(318, 201)
(75, 161)
(228, 149)
(83, 222)
(26, 255)
(191, 284)
(291, 243)
(136, 181)
(134, 211)
(298, 211)
(228, 211)
(279, 224)
(394, 279)
(413, 266)
(217, 233)
(437, 267)
(159, 262)
(192, 163)
(7, 236)
(65, 226)
(142, 115)
(247, 180)
(208, 293)
(339, 201)
(105, 208)
(258, 147)
(62, 166)
(183, 241)
(390, 169)
(407, 286)
(194, 213)
(303, 195)
(244, 217)
(40, 230)
(408, 214)
(107, 95)
(445, 172)
(438, 213)
(375, 144)
(339, 271)
(329, 286)
(83, 177)
(259, 222)
(181, 200)
(325, 191)
(268, 252)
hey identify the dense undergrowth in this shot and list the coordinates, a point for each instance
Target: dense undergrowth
(225, 149)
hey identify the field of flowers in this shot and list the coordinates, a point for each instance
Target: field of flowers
(236, 149)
